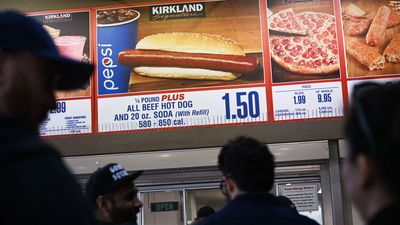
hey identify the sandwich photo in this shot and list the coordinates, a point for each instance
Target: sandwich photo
(184, 55)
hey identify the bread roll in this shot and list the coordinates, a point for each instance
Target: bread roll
(191, 43)
(184, 73)
(392, 51)
(368, 56)
(377, 31)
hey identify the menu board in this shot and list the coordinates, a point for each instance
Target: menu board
(70, 31)
(180, 65)
(206, 63)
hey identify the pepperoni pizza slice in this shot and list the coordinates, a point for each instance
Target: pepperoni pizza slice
(317, 23)
(316, 53)
(285, 21)
(305, 55)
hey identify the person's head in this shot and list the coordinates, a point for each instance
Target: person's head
(285, 202)
(31, 69)
(373, 132)
(113, 195)
(204, 212)
(247, 166)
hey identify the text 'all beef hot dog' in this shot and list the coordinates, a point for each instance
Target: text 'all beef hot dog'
(229, 63)
(185, 55)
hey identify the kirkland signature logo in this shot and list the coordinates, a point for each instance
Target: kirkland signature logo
(177, 11)
(60, 17)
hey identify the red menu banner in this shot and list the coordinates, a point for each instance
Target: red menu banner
(205, 63)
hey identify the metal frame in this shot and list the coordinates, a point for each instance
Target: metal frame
(336, 187)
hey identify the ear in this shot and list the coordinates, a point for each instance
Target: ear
(102, 204)
(366, 168)
(231, 187)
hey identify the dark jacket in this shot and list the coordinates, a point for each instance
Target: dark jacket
(388, 216)
(36, 187)
(256, 209)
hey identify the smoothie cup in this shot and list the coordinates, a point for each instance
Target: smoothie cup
(71, 46)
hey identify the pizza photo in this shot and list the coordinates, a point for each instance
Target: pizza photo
(303, 41)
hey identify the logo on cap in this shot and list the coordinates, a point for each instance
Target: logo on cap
(118, 172)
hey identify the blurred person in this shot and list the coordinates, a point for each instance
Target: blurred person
(113, 195)
(37, 188)
(203, 213)
(285, 201)
(373, 132)
(248, 175)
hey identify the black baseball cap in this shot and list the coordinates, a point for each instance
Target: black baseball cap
(21, 33)
(106, 179)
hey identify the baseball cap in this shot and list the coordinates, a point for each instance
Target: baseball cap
(105, 179)
(21, 33)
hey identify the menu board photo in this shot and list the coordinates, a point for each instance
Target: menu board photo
(70, 31)
(303, 43)
(305, 60)
(161, 65)
(195, 57)
(372, 38)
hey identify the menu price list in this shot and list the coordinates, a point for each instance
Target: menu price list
(69, 117)
(304, 101)
(182, 109)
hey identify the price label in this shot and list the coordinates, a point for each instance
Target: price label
(307, 101)
(182, 109)
(69, 117)
(247, 105)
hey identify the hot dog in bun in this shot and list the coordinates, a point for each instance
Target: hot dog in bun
(188, 56)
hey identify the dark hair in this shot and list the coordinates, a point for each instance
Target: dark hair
(373, 129)
(286, 202)
(205, 211)
(249, 163)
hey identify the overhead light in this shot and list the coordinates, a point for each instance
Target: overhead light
(288, 184)
(165, 155)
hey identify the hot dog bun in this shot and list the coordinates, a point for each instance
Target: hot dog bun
(188, 43)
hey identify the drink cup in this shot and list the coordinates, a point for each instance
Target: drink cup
(71, 46)
(116, 31)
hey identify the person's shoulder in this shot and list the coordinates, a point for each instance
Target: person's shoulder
(303, 220)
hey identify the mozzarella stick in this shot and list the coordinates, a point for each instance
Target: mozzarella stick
(392, 51)
(377, 31)
(368, 56)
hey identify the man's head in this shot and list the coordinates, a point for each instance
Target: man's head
(31, 69)
(286, 202)
(204, 212)
(373, 131)
(247, 166)
(113, 195)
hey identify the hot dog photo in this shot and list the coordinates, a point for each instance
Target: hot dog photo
(184, 45)
(372, 37)
(302, 38)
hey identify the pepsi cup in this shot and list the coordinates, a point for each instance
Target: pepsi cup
(116, 31)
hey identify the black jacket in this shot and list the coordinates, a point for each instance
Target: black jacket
(36, 187)
(256, 209)
(388, 216)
